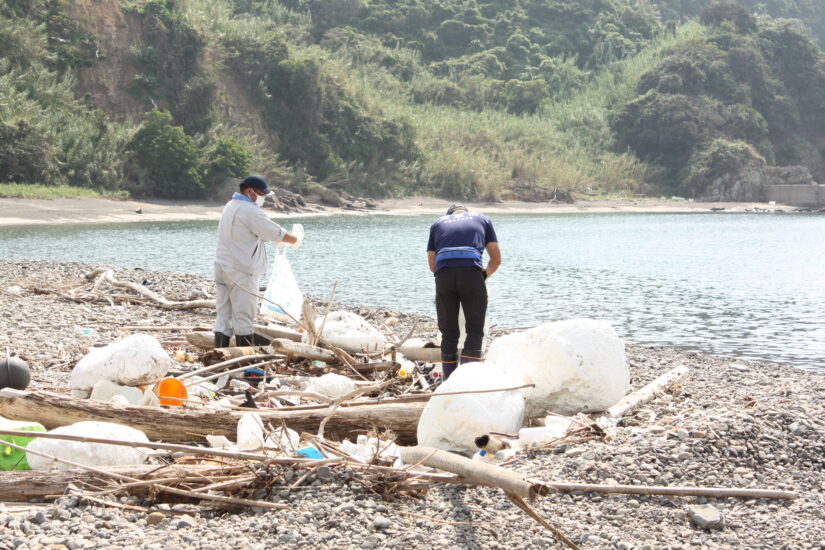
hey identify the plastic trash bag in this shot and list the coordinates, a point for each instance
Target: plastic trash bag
(283, 298)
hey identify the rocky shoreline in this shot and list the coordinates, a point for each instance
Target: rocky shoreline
(731, 423)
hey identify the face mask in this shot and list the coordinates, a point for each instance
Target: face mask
(260, 200)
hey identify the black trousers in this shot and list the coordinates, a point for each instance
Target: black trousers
(460, 287)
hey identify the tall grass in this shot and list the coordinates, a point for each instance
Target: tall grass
(38, 191)
(566, 145)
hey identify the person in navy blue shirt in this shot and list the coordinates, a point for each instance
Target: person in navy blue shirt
(455, 249)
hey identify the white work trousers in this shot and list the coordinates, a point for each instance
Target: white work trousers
(235, 306)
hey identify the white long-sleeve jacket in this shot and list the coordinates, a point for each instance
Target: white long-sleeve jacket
(242, 230)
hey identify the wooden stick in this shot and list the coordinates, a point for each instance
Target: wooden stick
(482, 473)
(347, 360)
(227, 372)
(712, 492)
(647, 393)
(350, 395)
(190, 449)
(221, 355)
(521, 503)
(218, 366)
(171, 328)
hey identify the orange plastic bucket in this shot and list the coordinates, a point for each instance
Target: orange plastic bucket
(171, 391)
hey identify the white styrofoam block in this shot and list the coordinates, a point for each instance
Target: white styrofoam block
(88, 454)
(350, 332)
(135, 360)
(332, 385)
(577, 365)
(106, 390)
(453, 422)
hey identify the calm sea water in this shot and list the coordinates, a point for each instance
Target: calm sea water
(742, 285)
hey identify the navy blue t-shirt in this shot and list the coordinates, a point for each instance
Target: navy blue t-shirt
(459, 239)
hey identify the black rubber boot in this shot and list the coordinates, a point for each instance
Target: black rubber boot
(261, 340)
(471, 356)
(244, 340)
(221, 340)
(449, 362)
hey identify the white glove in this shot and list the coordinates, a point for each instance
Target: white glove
(298, 233)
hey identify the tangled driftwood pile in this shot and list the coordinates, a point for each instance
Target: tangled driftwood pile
(384, 405)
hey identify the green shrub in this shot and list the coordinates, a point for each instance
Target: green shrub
(227, 159)
(167, 159)
(25, 154)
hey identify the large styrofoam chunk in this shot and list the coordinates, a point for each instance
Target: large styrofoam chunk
(88, 454)
(454, 421)
(332, 385)
(135, 360)
(576, 365)
(350, 332)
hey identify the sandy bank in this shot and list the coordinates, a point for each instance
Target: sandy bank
(426, 205)
(88, 210)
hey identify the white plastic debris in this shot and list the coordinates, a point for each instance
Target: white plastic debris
(576, 365)
(369, 449)
(219, 442)
(200, 389)
(453, 422)
(133, 361)
(283, 299)
(350, 332)
(88, 454)
(105, 390)
(332, 385)
(251, 435)
(283, 439)
(554, 428)
(119, 400)
(250, 432)
(421, 349)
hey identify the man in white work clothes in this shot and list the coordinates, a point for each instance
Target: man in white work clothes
(240, 259)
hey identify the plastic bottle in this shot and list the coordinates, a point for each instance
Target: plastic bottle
(483, 456)
(11, 458)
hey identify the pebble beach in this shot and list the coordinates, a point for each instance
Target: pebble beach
(730, 423)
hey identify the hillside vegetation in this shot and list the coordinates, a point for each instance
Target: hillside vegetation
(534, 99)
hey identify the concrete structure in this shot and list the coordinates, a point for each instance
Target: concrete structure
(797, 195)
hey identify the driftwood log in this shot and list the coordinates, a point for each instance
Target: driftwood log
(179, 424)
(647, 393)
(108, 276)
(297, 349)
(273, 332)
(475, 471)
(221, 355)
(205, 339)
